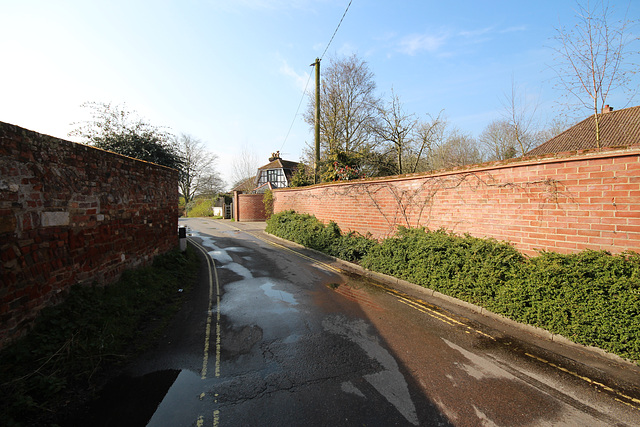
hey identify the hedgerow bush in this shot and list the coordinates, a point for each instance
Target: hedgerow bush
(466, 267)
(592, 297)
(307, 230)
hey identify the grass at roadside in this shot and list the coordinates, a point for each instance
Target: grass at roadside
(95, 328)
(591, 298)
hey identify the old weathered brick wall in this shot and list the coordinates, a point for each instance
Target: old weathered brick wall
(70, 214)
(559, 203)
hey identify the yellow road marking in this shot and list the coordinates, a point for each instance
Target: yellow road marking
(422, 306)
(590, 381)
(213, 274)
(277, 245)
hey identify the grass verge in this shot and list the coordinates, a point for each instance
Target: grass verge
(62, 359)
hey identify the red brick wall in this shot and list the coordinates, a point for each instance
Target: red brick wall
(70, 214)
(558, 203)
(250, 208)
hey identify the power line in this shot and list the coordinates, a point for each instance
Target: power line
(296, 114)
(338, 27)
(309, 79)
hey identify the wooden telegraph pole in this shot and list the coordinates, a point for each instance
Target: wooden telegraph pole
(317, 127)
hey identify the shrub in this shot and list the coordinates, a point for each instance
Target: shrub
(466, 267)
(267, 199)
(200, 207)
(592, 297)
(307, 230)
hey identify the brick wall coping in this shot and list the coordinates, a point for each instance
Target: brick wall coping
(570, 156)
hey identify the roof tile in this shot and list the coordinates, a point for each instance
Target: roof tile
(619, 128)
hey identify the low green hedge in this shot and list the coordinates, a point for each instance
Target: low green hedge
(307, 230)
(592, 297)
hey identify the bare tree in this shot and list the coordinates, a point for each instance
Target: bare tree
(458, 149)
(554, 127)
(211, 185)
(245, 168)
(428, 135)
(519, 117)
(592, 57)
(348, 107)
(198, 167)
(396, 129)
(499, 140)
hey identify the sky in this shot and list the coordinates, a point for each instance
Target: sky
(232, 73)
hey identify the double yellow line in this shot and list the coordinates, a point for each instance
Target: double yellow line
(213, 282)
(423, 307)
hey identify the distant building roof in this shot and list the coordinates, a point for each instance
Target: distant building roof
(279, 163)
(619, 128)
(244, 185)
(279, 179)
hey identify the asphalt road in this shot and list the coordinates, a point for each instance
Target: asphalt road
(275, 335)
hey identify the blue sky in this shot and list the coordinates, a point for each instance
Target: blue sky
(232, 73)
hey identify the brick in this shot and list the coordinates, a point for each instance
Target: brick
(47, 250)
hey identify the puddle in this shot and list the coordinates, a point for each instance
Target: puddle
(278, 294)
(181, 402)
(135, 398)
(239, 269)
(238, 249)
(221, 256)
(258, 301)
(163, 398)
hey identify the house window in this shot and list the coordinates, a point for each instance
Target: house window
(276, 178)
(263, 178)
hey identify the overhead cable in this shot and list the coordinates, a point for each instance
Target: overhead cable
(334, 33)
(309, 79)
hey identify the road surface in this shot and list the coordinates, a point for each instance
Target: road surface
(274, 336)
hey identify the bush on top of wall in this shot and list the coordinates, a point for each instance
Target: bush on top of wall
(591, 297)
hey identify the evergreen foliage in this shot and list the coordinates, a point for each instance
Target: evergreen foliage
(591, 298)
(116, 129)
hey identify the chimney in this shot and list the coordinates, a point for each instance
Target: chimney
(274, 156)
(607, 109)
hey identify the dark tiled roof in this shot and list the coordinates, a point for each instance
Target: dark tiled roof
(619, 128)
(244, 185)
(279, 163)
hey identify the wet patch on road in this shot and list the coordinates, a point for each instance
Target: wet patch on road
(358, 295)
(130, 401)
(389, 381)
(240, 341)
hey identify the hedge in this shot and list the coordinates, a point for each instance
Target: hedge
(592, 297)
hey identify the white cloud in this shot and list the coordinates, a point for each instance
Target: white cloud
(300, 80)
(347, 49)
(476, 33)
(416, 43)
(514, 29)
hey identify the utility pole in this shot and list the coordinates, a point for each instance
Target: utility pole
(317, 127)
